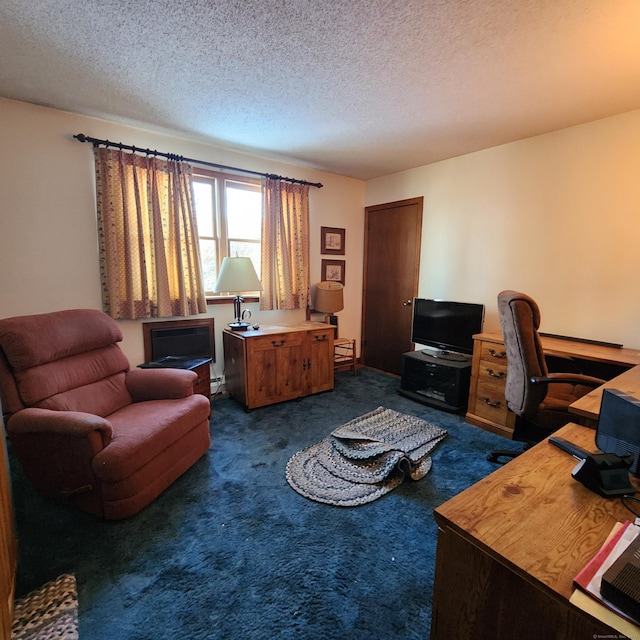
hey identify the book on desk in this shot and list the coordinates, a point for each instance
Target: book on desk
(589, 596)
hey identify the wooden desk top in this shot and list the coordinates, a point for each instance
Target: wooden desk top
(280, 328)
(561, 347)
(589, 406)
(533, 517)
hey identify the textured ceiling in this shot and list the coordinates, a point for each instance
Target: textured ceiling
(357, 87)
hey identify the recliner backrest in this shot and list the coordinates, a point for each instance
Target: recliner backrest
(64, 360)
(519, 319)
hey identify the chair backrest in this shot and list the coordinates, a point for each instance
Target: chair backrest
(519, 320)
(65, 360)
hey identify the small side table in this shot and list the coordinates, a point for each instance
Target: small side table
(202, 367)
(344, 355)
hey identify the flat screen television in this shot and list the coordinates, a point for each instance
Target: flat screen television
(447, 327)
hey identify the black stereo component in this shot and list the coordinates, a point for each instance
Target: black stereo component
(443, 383)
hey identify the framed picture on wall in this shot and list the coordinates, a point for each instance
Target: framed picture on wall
(333, 270)
(332, 241)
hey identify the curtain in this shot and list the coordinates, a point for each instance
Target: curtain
(285, 245)
(148, 236)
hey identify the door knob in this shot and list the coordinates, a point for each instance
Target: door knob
(407, 303)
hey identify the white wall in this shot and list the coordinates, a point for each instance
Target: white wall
(556, 216)
(48, 241)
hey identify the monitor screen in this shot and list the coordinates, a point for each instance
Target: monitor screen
(619, 426)
(447, 326)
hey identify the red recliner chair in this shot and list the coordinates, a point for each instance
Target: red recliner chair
(86, 428)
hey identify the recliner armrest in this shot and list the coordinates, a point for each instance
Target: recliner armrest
(65, 423)
(568, 378)
(160, 384)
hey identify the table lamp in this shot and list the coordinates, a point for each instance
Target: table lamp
(237, 275)
(329, 299)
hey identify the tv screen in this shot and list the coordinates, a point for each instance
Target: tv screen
(447, 326)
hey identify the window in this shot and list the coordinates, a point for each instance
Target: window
(229, 213)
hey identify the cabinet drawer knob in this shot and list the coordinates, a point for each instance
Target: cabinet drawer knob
(494, 374)
(494, 354)
(322, 338)
(276, 343)
(487, 400)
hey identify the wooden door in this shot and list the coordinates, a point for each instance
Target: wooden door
(391, 267)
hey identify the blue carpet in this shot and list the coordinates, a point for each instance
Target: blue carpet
(231, 551)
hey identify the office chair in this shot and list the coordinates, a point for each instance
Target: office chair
(539, 399)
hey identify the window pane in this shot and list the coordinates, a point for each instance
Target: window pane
(244, 213)
(209, 264)
(203, 194)
(247, 250)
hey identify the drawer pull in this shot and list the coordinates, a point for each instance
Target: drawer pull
(493, 374)
(322, 338)
(494, 354)
(495, 403)
(277, 344)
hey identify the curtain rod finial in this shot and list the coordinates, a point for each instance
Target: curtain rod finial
(80, 137)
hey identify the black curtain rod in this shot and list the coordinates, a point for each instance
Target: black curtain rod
(172, 156)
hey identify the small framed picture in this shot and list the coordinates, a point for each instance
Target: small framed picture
(332, 241)
(333, 270)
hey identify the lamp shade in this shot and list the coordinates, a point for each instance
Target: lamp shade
(329, 298)
(237, 275)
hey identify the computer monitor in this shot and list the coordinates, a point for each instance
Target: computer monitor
(618, 428)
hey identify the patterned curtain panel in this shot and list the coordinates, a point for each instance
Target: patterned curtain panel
(148, 237)
(285, 245)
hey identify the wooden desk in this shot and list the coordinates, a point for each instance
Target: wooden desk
(589, 406)
(510, 546)
(487, 407)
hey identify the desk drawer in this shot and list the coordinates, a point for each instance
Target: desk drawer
(488, 407)
(276, 341)
(490, 352)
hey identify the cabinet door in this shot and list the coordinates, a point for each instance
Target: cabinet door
(274, 368)
(319, 361)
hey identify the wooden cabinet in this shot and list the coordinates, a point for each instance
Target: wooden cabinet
(203, 381)
(201, 366)
(487, 407)
(278, 363)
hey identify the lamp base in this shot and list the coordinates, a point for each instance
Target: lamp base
(239, 326)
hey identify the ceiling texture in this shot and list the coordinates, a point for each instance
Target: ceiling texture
(361, 88)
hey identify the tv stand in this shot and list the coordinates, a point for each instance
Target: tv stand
(438, 380)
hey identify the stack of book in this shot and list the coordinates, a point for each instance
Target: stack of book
(605, 587)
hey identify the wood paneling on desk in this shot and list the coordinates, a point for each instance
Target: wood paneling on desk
(487, 407)
(510, 546)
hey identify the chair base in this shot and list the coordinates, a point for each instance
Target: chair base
(495, 456)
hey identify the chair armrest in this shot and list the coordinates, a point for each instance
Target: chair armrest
(160, 384)
(65, 423)
(568, 378)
